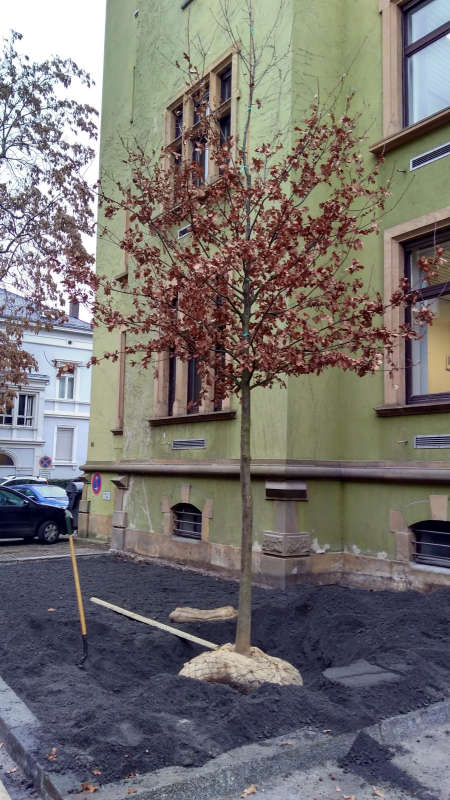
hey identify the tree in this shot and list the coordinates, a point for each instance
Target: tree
(45, 201)
(269, 283)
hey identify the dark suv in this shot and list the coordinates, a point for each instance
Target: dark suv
(23, 518)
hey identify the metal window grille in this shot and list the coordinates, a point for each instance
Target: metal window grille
(187, 521)
(431, 543)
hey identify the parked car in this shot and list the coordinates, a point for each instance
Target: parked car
(14, 480)
(24, 518)
(45, 493)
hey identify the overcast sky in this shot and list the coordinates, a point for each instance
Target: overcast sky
(63, 28)
(67, 29)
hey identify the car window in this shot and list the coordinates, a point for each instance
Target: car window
(51, 491)
(26, 491)
(10, 499)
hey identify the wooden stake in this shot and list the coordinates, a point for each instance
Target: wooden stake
(155, 624)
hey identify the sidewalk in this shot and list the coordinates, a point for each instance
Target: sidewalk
(13, 550)
(420, 769)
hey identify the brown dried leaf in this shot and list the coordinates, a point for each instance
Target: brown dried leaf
(377, 792)
(96, 772)
(285, 743)
(349, 797)
(249, 790)
(10, 771)
(132, 791)
(88, 787)
(52, 754)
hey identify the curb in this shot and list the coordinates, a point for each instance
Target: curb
(21, 731)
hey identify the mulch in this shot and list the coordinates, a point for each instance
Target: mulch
(128, 711)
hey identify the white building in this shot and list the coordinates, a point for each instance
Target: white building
(49, 421)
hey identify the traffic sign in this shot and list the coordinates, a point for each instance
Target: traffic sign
(96, 483)
(45, 462)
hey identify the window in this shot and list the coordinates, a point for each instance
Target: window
(20, 412)
(416, 63)
(426, 52)
(65, 387)
(187, 521)
(5, 460)
(64, 444)
(172, 381)
(403, 246)
(177, 385)
(214, 95)
(194, 386)
(428, 357)
(10, 499)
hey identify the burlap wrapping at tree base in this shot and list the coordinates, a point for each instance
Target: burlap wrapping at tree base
(243, 672)
(187, 614)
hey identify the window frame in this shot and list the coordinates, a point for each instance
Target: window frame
(172, 384)
(182, 143)
(394, 132)
(427, 293)
(412, 49)
(396, 239)
(71, 460)
(15, 413)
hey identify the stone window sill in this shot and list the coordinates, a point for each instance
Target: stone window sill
(411, 132)
(414, 408)
(212, 416)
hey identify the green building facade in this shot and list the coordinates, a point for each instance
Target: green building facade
(342, 465)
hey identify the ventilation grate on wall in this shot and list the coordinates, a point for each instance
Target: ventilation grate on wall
(424, 442)
(188, 444)
(429, 156)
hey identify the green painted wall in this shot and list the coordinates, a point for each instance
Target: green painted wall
(326, 418)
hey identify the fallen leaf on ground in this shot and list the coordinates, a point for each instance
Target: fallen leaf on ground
(52, 754)
(132, 791)
(349, 797)
(10, 771)
(284, 743)
(377, 792)
(88, 787)
(51, 609)
(96, 772)
(1, 745)
(327, 730)
(249, 790)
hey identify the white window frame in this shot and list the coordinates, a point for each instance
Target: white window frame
(55, 439)
(15, 413)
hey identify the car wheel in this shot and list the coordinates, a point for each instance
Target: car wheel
(48, 533)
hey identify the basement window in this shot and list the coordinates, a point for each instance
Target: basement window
(187, 521)
(432, 542)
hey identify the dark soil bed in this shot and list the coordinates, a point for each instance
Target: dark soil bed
(128, 711)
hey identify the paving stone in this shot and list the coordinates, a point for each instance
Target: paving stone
(360, 673)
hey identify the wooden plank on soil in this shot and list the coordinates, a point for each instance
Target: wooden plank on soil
(3, 793)
(155, 624)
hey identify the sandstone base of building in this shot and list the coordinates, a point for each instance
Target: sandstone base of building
(341, 568)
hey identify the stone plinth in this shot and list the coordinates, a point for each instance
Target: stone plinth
(286, 545)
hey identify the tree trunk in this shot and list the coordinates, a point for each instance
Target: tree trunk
(243, 631)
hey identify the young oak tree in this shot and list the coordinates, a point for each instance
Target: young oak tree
(269, 282)
(45, 200)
